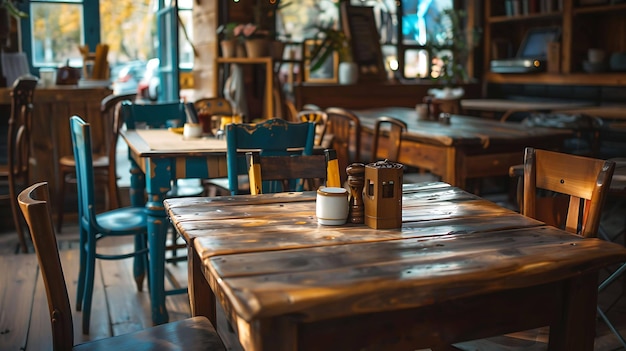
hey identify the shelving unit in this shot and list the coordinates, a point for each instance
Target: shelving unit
(583, 27)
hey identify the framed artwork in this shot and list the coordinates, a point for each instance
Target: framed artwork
(327, 73)
(359, 24)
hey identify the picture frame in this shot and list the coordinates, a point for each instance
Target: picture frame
(328, 73)
(359, 25)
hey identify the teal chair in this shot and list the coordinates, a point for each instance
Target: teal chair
(274, 137)
(95, 226)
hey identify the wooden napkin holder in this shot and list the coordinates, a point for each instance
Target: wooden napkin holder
(382, 197)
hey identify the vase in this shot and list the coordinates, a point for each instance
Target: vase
(229, 47)
(240, 50)
(258, 47)
(348, 73)
(276, 49)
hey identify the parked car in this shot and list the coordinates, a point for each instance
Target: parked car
(128, 76)
(148, 87)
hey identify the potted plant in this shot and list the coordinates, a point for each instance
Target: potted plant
(8, 8)
(334, 40)
(228, 42)
(256, 40)
(452, 47)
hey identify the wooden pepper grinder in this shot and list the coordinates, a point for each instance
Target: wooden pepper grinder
(356, 181)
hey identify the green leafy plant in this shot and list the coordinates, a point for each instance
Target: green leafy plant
(227, 31)
(11, 6)
(452, 46)
(329, 40)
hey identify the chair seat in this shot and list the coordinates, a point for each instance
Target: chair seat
(190, 334)
(99, 161)
(125, 219)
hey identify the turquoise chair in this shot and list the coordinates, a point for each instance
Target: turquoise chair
(95, 226)
(274, 137)
(155, 116)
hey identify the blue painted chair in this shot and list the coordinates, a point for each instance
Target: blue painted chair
(95, 226)
(274, 137)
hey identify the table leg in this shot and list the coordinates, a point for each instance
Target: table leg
(137, 199)
(201, 297)
(576, 330)
(157, 185)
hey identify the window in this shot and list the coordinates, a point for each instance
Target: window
(405, 28)
(57, 31)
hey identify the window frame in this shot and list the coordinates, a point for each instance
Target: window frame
(90, 26)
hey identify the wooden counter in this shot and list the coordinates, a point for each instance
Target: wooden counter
(50, 136)
(370, 94)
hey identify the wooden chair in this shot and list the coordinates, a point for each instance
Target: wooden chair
(104, 160)
(274, 137)
(95, 226)
(394, 137)
(292, 111)
(345, 128)
(563, 190)
(389, 130)
(292, 172)
(577, 187)
(16, 172)
(320, 119)
(190, 334)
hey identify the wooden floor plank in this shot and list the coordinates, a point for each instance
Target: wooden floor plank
(16, 301)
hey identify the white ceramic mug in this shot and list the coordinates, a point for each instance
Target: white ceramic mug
(331, 206)
(422, 112)
(595, 55)
(192, 130)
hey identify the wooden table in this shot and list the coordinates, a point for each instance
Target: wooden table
(469, 147)
(610, 112)
(506, 107)
(157, 157)
(460, 268)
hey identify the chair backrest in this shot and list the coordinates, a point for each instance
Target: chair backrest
(319, 118)
(20, 124)
(213, 106)
(394, 137)
(83, 158)
(345, 128)
(33, 202)
(292, 172)
(274, 137)
(566, 191)
(110, 112)
(291, 111)
(154, 116)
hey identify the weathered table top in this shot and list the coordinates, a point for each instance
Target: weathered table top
(503, 105)
(266, 257)
(462, 130)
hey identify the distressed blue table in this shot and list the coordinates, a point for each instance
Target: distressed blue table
(158, 157)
